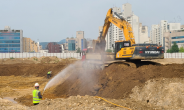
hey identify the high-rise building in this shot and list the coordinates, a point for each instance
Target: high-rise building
(81, 40)
(10, 40)
(132, 19)
(114, 33)
(143, 34)
(157, 31)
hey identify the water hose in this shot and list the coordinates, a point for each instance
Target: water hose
(112, 103)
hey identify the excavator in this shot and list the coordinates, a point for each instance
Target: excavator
(123, 49)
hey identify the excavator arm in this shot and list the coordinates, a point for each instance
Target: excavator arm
(121, 23)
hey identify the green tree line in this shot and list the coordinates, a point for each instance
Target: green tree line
(175, 49)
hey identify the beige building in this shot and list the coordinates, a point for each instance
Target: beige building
(29, 45)
(80, 39)
(143, 34)
(173, 36)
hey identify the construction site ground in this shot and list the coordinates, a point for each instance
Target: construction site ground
(150, 85)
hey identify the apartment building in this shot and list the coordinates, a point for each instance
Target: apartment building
(158, 30)
(133, 20)
(30, 45)
(143, 34)
(114, 33)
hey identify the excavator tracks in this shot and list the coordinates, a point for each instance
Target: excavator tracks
(101, 65)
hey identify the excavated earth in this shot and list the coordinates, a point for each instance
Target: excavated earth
(150, 85)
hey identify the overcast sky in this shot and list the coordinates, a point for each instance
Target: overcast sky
(54, 20)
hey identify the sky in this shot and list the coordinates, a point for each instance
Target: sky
(54, 20)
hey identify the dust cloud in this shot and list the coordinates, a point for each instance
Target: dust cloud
(82, 69)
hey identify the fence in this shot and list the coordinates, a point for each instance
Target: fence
(29, 55)
(68, 55)
(173, 55)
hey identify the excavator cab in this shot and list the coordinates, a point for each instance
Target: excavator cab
(119, 45)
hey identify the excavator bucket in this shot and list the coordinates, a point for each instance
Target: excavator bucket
(99, 46)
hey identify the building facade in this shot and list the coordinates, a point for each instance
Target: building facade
(173, 36)
(53, 47)
(132, 19)
(157, 31)
(143, 34)
(30, 45)
(81, 40)
(72, 44)
(10, 40)
(114, 33)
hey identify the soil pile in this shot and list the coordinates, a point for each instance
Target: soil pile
(116, 81)
(30, 69)
(15, 61)
(168, 92)
(31, 60)
(91, 103)
(8, 105)
(121, 83)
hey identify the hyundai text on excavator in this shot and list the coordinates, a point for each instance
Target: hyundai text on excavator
(123, 49)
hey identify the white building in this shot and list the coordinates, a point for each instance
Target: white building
(154, 33)
(157, 31)
(132, 19)
(114, 33)
(143, 34)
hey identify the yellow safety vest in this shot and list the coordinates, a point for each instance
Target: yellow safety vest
(49, 72)
(36, 99)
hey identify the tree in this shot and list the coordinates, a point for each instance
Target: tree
(174, 48)
(181, 49)
(168, 51)
(78, 50)
(108, 50)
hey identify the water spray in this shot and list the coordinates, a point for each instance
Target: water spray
(60, 77)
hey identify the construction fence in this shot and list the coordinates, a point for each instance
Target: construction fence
(68, 55)
(29, 55)
(173, 55)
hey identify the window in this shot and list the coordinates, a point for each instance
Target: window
(179, 37)
(9, 41)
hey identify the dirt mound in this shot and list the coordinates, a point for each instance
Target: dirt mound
(31, 60)
(116, 81)
(91, 103)
(30, 69)
(161, 92)
(26, 100)
(8, 105)
(46, 60)
(15, 61)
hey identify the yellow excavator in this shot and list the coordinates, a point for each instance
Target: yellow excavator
(123, 49)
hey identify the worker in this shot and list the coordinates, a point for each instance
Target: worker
(49, 74)
(36, 95)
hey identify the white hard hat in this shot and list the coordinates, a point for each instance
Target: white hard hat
(36, 84)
